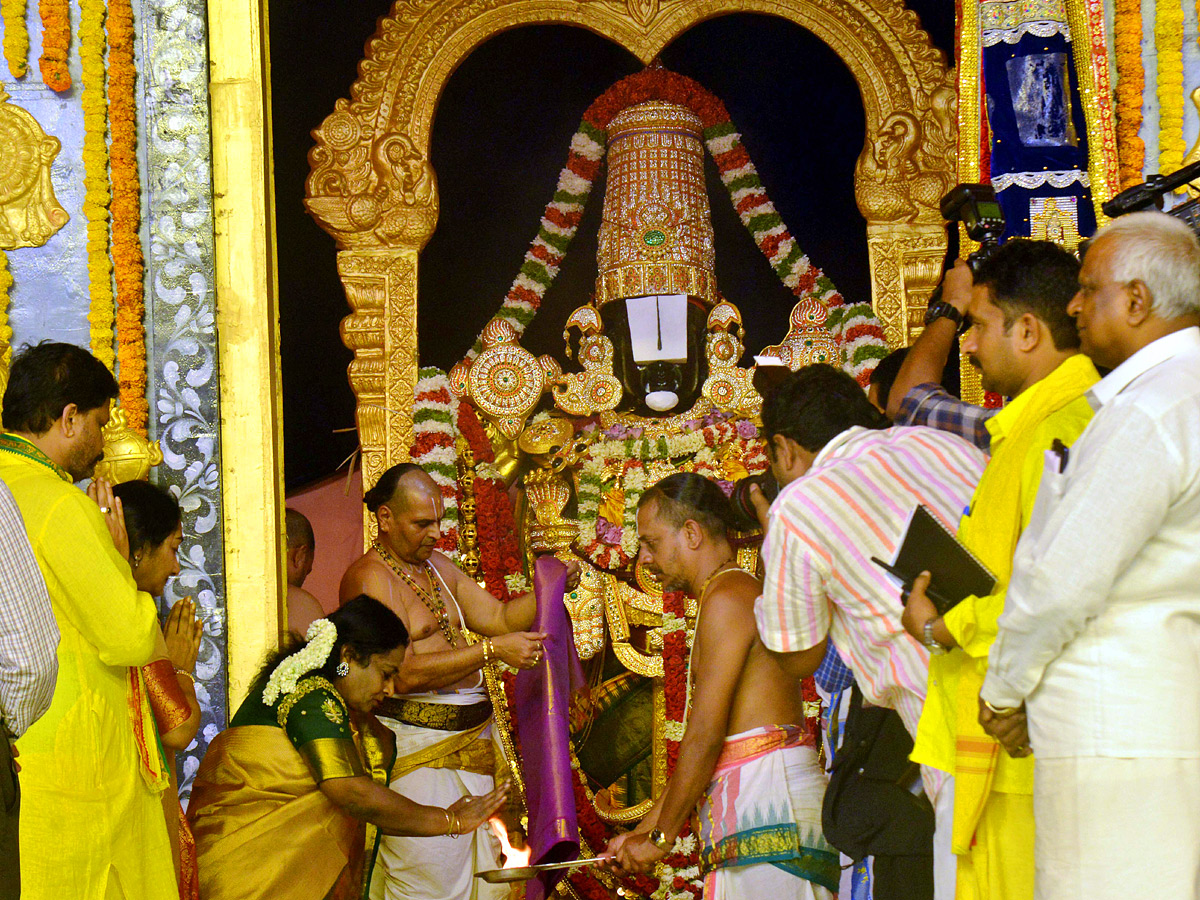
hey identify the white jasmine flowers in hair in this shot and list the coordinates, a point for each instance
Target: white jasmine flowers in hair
(321, 636)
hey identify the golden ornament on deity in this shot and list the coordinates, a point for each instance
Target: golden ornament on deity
(656, 233)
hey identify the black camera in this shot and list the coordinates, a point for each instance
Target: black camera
(976, 206)
(744, 518)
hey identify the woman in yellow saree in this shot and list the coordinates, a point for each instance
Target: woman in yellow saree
(281, 800)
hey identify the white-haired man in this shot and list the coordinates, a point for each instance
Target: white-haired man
(1100, 637)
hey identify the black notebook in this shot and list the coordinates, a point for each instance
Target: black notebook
(929, 546)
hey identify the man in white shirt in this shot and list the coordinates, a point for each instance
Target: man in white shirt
(1100, 638)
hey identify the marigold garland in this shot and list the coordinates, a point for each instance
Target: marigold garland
(859, 332)
(127, 258)
(56, 38)
(95, 178)
(16, 37)
(6, 281)
(1168, 39)
(1131, 82)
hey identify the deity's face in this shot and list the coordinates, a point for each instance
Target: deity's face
(662, 549)
(991, 345)
(157, 564)
(84, 445)
(368, 684)
(411, 522)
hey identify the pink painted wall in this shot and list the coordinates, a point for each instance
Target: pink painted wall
(337, 521)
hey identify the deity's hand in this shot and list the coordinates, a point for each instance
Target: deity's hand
(1010, 728)
(957, 284)
(472, 811)
(100, 490)
(520, 649)
(574, 570)
(182, 633)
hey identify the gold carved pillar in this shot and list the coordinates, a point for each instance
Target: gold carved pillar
(906, 265)
(381, 288)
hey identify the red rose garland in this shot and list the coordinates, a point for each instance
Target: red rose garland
(499, 555)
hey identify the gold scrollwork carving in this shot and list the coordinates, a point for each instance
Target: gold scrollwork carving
(30, 214)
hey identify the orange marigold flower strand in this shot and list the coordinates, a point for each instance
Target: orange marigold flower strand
(95, 178)
(16, 36)
(1168, 39)
(1131, 82)
(56, 38)
(126, 215)
(6, 281)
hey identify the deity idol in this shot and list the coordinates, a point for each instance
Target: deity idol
(652, 386)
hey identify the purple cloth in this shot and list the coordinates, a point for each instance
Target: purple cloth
(542, 704)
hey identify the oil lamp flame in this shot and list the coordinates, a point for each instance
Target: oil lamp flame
(513, 858)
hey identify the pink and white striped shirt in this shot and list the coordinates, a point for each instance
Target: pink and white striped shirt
(824, 528)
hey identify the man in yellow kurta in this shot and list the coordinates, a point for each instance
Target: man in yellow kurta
(92, 825)
(1027, 348)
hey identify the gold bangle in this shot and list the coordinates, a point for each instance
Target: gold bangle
(1001, 712)
(487, 651)
(455, 828)
(449, 822)
(188, 675)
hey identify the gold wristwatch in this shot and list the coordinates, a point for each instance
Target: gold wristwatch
(659, 840)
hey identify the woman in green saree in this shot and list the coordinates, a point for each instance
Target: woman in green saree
(282, 799)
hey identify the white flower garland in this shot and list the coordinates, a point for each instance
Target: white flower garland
(321, 636)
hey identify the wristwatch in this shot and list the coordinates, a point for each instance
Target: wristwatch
(659, 840)
(940, 309)
(931, 643)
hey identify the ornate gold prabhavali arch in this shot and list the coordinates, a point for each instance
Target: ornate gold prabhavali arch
(373, 189)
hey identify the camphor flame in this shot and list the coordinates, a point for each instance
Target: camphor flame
(513, 858)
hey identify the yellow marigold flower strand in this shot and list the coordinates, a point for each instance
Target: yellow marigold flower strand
(16, 36)
(1131, 82)
(6, 281)
(95, 178)
(1168, 38)
(126, 215)
(56, 38)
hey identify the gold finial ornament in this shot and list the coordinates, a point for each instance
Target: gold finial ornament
(656, 233)
(807, 340)
(127, 455)
(595, 389)
(728, 386)
(30, 214)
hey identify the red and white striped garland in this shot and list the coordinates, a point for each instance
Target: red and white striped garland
(435, 428)
(854, 326)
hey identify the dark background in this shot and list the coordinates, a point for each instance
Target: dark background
(500, 137)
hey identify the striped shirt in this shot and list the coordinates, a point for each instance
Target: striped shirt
(852, 504)
(28, 632)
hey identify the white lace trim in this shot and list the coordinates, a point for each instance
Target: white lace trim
(1038, 29)
(1030, 180)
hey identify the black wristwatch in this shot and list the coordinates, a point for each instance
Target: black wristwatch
(940, 309)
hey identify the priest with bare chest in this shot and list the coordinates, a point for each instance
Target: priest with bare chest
(441, 715)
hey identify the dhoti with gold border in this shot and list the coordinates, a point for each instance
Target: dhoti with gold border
(759, 821)
(444, 751)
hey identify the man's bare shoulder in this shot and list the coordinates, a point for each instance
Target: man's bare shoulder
(446, 567)
(732, 597)
(365, 571)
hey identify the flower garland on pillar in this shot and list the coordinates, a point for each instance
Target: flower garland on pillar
(56, 38)
(95, 178)
(16, 36)
(1131, 82)
(860, 333)
(1168, 39)
(435, 415)
(127, 258)
(6, 281)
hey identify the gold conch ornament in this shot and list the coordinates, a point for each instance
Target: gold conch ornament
(30, 214)
(127, 455)
(807, 340)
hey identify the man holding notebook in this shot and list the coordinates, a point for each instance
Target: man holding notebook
(849, 483)
(1026, 347)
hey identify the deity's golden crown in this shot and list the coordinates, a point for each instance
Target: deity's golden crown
(656, 236)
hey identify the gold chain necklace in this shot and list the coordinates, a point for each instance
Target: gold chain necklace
(432, 598)
(719, 570)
